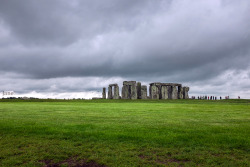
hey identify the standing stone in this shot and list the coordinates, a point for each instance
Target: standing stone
(154, 92)
(164, 92)
(185, 92)
(116, 92)
(174, 92)
(180, 92)
(133, 91)
(125, 92)
(143, 92)
(138, 90)
(129, 90)
(104, 93)
(157, 90)
(110, 92)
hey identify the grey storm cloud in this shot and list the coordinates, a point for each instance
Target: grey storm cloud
(151, 40)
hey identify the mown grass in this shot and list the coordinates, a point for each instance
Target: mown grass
(125, 132)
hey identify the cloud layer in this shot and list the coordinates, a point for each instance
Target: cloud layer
(79, 46)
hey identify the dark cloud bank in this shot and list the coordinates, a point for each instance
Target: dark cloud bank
(75, 46)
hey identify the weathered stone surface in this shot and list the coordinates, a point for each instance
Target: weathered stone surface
(124, 91)
(113, 94)
(138, 90)
(104, 93)
(143, 92)
(185, 92)
(133, 92)
(180, 92)
(113, 84)
(164, 92)
(165, 84)
(157, 90)
(116, 92)
(154, 92)
(129, 82)
(129, 90)
(110, 92)
(174, 92)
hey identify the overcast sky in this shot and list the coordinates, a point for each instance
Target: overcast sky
(73, 48)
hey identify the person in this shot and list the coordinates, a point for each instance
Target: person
(215, 98)
(208, 97)
(238, 97)
(220, 97)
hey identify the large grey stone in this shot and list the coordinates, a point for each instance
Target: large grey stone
(180, 92)
(116, 92)
(133, 92)
(185, 92)
(129, 82)
(154, 92)
(143, 92)
(110, 92)
(164, 92)
(129, 90)
(113, 94)
(104, 93)
(174, 92)
(125, 92)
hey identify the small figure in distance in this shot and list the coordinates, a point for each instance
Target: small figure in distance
(220, 97)
(238, 97)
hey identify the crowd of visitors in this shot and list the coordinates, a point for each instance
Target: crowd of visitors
(210, 97)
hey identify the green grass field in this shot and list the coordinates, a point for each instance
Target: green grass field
(124, 133)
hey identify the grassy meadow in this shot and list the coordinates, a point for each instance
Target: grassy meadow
(124, 133)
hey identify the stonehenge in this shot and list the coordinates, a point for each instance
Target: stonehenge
(129, 90)
(113, 94)
(157, 90)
